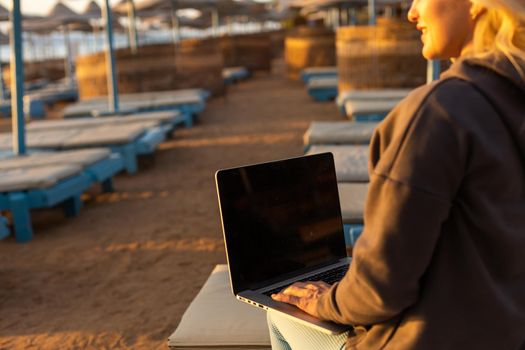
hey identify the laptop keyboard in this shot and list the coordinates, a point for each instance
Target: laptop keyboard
(330, 277)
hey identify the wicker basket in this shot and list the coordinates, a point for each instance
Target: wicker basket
(252, 51)
(53, 69)
(309, 47)
(387, 55)
(195, 64)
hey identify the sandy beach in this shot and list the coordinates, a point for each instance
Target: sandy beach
(121, 274)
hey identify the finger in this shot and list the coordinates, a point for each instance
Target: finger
(289, 299)
(296, 290)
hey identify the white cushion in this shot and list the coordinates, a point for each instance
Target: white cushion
(159, 116)
(216, 320)
(356, 107)
(352, 197)
(323, 82)
(344, 132)
(351, 161)
(82, 158)
(33, 178)
(314, 70)
(50, 138)
(376, 94)
(136, 101)
(108, 135)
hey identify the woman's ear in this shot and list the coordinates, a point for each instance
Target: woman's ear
(476, 10)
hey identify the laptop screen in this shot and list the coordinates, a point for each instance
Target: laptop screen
(279, 218)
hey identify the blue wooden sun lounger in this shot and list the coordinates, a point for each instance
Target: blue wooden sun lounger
(352, 197)
(130, 139)
(33, 108)
(322, 89)
(318, 72)
(351, 161)
(368, 111)
(233, 75)
(44, 180)
(49, 95)
(190, 102)
(338, 133)
(169, 118)
(369, 95)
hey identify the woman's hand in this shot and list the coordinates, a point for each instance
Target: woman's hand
(304, 295)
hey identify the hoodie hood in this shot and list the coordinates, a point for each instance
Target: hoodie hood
(496, 78)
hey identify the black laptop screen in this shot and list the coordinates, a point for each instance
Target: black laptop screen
(280, 217)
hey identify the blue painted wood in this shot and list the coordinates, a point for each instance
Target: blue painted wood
(148, 143)
(17, 80)
(110, 59)
(19, 207)
(46, 198)
(67, 191)
(323, 94)
(105, 168)
(306, 77)
(107, 185)
(72, 206)
(376, 117)
(352, 233)
(129, 156)
(4, 229)
(433, 70)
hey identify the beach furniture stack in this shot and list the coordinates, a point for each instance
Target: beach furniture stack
(216, 320)
(47, 179)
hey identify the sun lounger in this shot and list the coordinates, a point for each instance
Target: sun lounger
(366, 111)
(351, 161)
(352, 197)
(234, 74)
(322, 89)
(129, 140)
(338, 133)
(318, 72)
(33, 108)
(162, 117)
(190, 102)
(43, 180)
(367, 95)
(216, 320)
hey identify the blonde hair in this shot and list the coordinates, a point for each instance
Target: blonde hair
(501, 29)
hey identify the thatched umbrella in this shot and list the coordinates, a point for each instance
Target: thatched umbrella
(64, 18)
(218, 8)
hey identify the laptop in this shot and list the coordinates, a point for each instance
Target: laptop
(282, 224)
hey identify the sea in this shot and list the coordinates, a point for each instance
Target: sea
(41, 47)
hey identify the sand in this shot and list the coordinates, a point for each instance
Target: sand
(121, 274)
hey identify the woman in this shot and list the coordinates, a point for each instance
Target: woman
(441, 263)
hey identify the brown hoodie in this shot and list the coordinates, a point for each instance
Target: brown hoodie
(441, 262)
